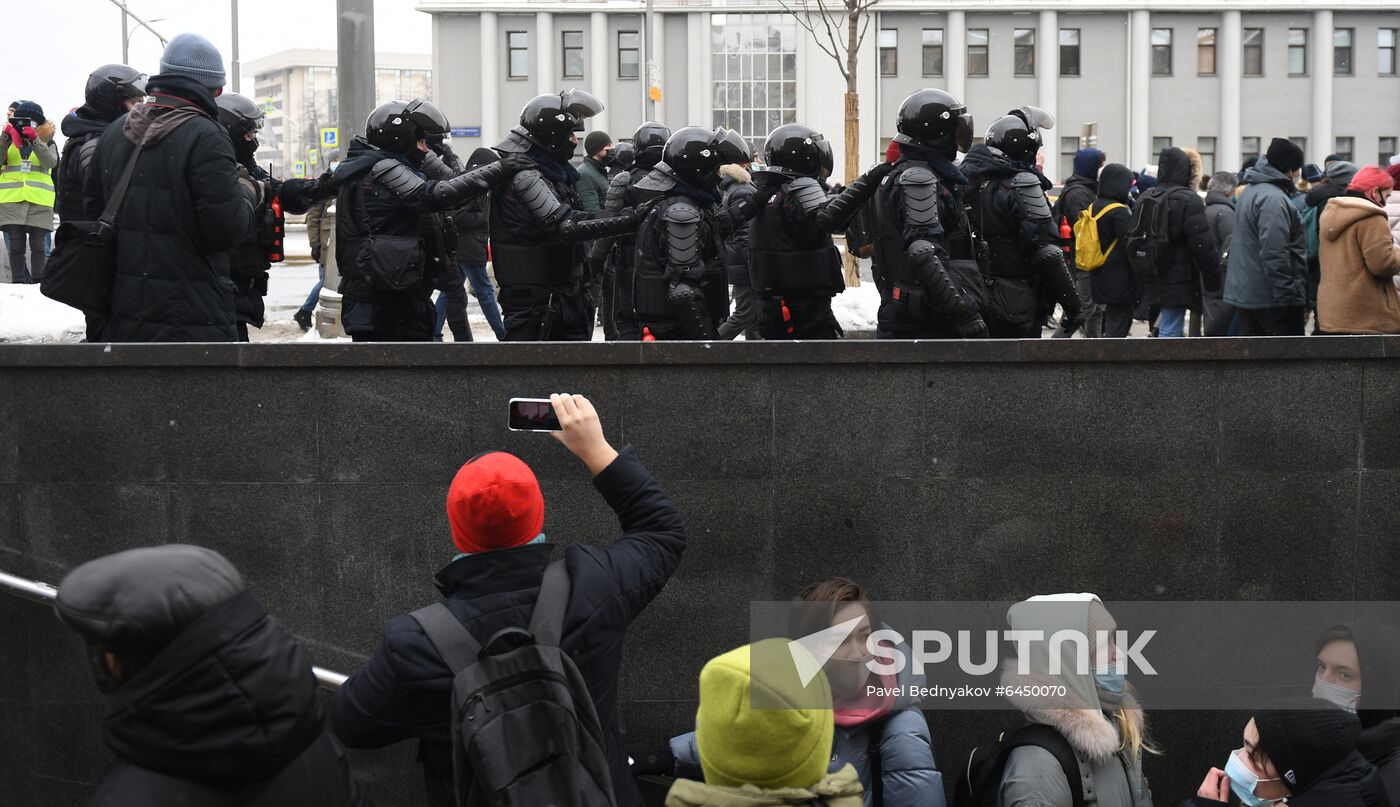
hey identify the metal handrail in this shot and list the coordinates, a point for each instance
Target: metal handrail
(45, 594)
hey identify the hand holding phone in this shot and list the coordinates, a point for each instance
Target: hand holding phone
(572, 420)
(533, 415)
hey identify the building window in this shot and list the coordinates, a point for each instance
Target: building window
(1385, 41)
(753, 61)
(1206, 147)
(1069, 51)
(1025, 51)
(1068, 147)
(1160, 144)
(1297, 51)
(1205, 52)
(889, 51)
(629, 54)
(1254, 51)
(1161, 51)
(573, 54)
(1387, 150)
(1345, 147)
(977, 51)
(518, 52)
(1342, 51)
(933, 51)
(1249, 147)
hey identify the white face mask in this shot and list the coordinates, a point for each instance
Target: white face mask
(1334, 693)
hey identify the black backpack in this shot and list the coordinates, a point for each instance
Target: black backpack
(980, 781)
(524, 728)
(1149, 236)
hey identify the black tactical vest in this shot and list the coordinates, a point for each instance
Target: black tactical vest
(790, 256)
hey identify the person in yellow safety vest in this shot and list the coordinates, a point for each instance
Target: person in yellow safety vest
(27, 188)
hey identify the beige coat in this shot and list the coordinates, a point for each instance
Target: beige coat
(1359, 257)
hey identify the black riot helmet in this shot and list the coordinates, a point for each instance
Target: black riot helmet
(650, 142)
(392, 128)
(550, 121)
(624, 155)
(1016, 135)
(937, 120)
(797, 150)
(109, 86)
(239, 114)
(427, 117)
(696, 153)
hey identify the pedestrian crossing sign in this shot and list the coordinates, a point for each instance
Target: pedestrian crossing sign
(330, 138)
(313, 156)
(299, 169)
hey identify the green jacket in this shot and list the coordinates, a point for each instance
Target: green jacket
(592, 185)
(840, 789)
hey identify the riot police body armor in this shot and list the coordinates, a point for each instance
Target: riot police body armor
(250, 261)
(538, 231)
(614, 257)
(1007, 204)
(679, 283)
(393, 247)
(925, 259)
(794, 265)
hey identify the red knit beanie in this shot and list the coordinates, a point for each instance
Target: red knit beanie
(494, 503)
(1370, 179)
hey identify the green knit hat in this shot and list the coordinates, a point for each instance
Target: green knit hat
(769, 748)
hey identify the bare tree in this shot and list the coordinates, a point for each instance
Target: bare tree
(839, 27)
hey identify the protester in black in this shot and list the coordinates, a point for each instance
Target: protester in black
(1115, 285)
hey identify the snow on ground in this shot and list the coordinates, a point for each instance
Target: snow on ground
(28, 316)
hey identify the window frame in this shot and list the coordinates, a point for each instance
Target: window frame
(1212, 48)
(925, 46)
(1381, 49)
(511, 50)
(1158, 148)
(1170, 51)
(564, 48)
(986, 49)
(1245, 47)
(1307, 35)
(1348, 153)
(1078, 52)
(1207, 154)
(1350, 48)
(637, 51)
(1246, 152)
(888, 51)
(1381, 150)
(1017, 48)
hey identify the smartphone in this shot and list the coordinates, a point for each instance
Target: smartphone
(532, 415)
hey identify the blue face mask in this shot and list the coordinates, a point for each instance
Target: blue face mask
(1108, 679)
(1243, 781)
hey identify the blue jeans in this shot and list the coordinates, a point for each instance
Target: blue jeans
(1171, 323)
(315, 295)
(485, 295)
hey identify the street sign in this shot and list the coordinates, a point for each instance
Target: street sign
(313, 156)
(330, 138)
(467, 131)
(299, 169)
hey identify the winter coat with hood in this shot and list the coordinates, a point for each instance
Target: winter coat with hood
(839, 789)
(82, 128)
(1079, 192)
(226, 714)
(896, 730)
(1115, 283)
(1359, 260)
(1032, 776)
(1194, 257)
(1269, 252)
(736, 185)
(403, 692)
(1220, 213)
(184, 211)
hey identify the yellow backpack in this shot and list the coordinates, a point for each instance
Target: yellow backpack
(1089, 254)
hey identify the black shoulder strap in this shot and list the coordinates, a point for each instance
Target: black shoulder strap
(114, 204)
(454, 643)
(1043, 736)
(547, 621)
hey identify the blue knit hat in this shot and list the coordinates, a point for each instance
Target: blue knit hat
(194, 57)
(1087, 162)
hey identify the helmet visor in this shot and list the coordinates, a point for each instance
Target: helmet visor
(964, 132)
(134, 87)
(581, 105)
(1035, 117)
(427, 117)
(731, 145)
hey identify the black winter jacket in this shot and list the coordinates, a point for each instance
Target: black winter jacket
(82, 128)
(248, 263)
(1115, 283)
(736, 186)
(184, 211)
(1353, 783)
(403, 692)
(1194, 258)
(472, 221)
(1078, 193)
(227, 715)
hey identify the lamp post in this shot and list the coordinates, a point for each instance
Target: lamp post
(126, 36)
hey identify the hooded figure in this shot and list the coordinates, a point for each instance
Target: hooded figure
(1359, 260)
(1267, 277)
(1194, 260)
(1115, 285)
(1079, 192)
(1377, 703)
(1105, 727)
(1220, 214)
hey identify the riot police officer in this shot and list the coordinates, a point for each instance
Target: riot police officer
(794, 264)
(1006, 201)
(925, 259)
(615, 257)
(249, 262)
(624, 157)
(538, 229)
(680, 289)
(392, 246)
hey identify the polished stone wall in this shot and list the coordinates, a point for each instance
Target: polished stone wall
(1141, 470)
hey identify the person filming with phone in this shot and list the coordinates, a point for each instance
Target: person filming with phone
(501, 569)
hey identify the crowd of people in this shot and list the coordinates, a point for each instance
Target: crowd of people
(653, 237)
(510, 684)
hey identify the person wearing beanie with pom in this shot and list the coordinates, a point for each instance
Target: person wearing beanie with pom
(1302, 750)
(764, 739)
(1359, 260)
(1267, 277)
(497, 518)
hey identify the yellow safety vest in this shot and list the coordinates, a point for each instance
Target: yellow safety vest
(24, 180)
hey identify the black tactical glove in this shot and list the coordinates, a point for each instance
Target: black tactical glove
(975, 328)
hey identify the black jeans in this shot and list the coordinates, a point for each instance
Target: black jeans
(745, 317)
(1117, 321)
(1287, 321)
(18, 235)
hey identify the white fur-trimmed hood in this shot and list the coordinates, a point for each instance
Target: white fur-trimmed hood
(1087, 730)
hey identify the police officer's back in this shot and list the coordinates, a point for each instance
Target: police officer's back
(615, 257)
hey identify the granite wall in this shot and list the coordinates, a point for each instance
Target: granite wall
(1196, 469)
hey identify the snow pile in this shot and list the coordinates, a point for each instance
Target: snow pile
(857, 309)
(28, 316)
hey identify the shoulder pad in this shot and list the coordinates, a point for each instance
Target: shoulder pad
(806, 193)
(1028, 189)
(1024, 179)
(85, 152)
(655, 181)
(917, 175)
(397, 177)
(536, 196)
(515, 142)
(682, 211)
(616, 198)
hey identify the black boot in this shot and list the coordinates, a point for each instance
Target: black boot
(303, 318)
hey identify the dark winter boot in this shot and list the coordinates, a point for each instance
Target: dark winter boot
(303, 318)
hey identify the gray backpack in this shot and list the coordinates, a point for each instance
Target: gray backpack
(524, 728)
